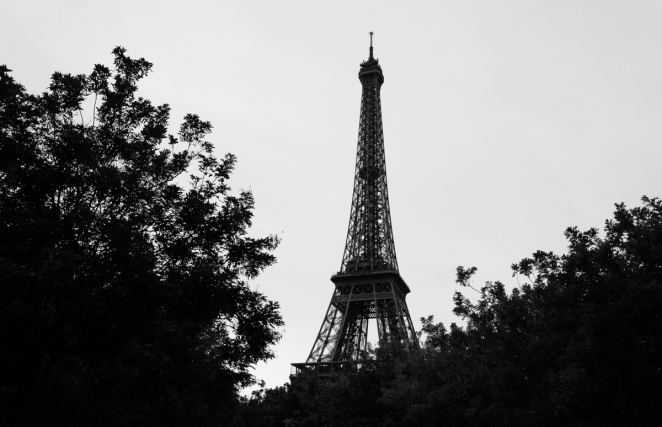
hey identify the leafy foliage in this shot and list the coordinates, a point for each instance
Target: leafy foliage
(123, 293)
(578, 344)
(347, 399)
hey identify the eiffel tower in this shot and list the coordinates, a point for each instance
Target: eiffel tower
(368, 285)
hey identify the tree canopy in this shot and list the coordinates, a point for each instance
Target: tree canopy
(577, 343)
(124, 260)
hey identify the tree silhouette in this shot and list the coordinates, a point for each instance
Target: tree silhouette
(578, 343)
(123, 260)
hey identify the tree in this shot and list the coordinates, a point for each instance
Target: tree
(123, 288)
(578, 344)
(351, 396)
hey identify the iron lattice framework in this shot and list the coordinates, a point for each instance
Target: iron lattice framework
(368, 285)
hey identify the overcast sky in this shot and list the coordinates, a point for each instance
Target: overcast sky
(504, 122)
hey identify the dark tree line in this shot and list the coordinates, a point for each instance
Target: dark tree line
(579, 343)
(123, 260)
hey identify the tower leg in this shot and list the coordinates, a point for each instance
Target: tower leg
(330, 331)
(343, 335)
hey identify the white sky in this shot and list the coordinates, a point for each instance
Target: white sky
(505, 122)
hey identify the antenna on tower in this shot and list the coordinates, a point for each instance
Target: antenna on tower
(371, 33)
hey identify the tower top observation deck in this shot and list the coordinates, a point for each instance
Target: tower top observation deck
(371, 72)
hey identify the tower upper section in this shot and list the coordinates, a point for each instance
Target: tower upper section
(369, 246)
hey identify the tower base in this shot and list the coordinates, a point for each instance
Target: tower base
(358, 298)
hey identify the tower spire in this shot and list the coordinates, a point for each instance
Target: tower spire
(368, 284)
(371, 57)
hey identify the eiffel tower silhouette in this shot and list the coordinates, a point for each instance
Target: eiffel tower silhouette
(368, 285)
